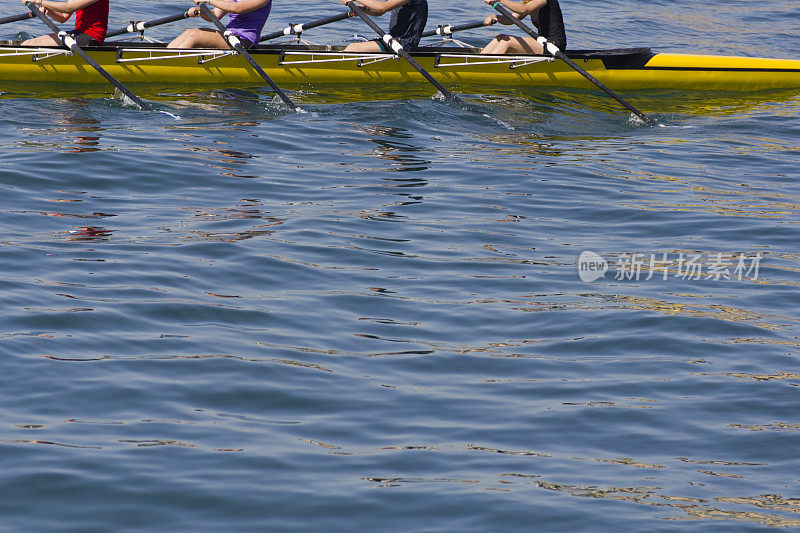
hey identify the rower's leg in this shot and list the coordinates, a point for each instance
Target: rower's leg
(366, 46)
(199, 38)
(44, 40)
(511, 44)
(498, 45)
(523, 45)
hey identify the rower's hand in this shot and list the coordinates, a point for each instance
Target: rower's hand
(37, 3)
(491, 19)
(197, 11)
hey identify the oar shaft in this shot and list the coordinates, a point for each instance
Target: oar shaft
(398, 49)
(297, 29)
(450, 29)
(236, 45)
(16, 18)
(135, 26)
(68, 41)
(558, 54)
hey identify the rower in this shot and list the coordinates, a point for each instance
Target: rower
(91, 21)
(406, 26)
(544, 14)
(247, 19)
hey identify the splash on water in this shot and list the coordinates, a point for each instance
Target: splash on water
(124, 99)
(504, 124)
(171, 115)
(278, 101)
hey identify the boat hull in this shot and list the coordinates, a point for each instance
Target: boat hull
(620, 70)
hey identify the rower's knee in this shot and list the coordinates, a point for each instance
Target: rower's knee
(44, 40)
(184, 40)
(177, 41)
(502, 45)
(364, 46)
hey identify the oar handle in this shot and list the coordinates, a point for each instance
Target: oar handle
(449, 29)
(16, 18)
(69, 41)
(297, 29)
(137, 25)
(234, 43)
(558, 54)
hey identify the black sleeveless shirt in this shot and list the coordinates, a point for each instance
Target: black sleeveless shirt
(408, 23)
(550, 23)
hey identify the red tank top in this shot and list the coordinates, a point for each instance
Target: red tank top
(93, 20)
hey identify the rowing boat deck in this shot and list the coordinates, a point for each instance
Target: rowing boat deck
(620, 69)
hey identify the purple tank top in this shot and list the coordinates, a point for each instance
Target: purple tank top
(249, 25)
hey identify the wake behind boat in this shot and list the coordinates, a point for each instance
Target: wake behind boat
(620, 69)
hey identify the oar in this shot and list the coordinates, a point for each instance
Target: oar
(16, 18)
(558, 54)
(297, 29)
(235, 44)
(450, 29)
(68, 41)
(140, 26)
(399, 50)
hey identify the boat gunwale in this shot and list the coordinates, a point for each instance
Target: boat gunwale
(631, 58)
(613, 58)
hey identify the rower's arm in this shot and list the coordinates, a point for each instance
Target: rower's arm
(523, 10)
(60, 11)
(195, 11)
(379, 7)
(227, 6)
(492, 19)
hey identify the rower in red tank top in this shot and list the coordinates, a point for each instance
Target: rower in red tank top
(91, 21)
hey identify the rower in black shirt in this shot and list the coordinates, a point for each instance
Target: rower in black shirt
(545, 15)
(407, 24)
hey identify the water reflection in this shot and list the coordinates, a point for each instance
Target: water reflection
(403, 156)
(714, 311)
(226, 160)
(248, 210)
(695, 508)
(728, 202)
(75, 121)
(241, 109)
(86, 143)
(777, 426)
(89, 234)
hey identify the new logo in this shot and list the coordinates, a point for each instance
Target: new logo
(591, 266)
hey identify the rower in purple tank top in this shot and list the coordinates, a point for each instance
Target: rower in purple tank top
(249, 25)
(247, 19)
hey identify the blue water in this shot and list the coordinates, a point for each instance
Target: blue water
(370, 316)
